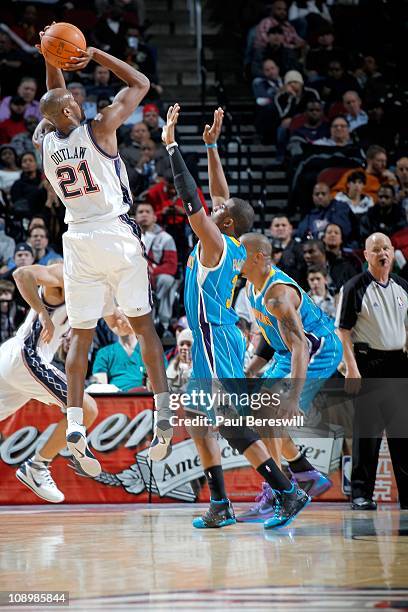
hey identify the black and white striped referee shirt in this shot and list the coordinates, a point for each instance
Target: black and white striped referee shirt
(375, 312)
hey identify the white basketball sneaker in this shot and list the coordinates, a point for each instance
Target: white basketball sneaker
(81, 453)
(160, 447)
(37, 476)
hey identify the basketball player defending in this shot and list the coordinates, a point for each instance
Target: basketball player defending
(26, 371)
(219, 346)
(103, 251)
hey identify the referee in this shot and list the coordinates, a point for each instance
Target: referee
(371, 325)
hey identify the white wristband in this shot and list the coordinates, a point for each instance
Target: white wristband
(172, 144)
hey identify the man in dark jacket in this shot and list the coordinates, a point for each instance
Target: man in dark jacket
(387, 216)
(328, 211)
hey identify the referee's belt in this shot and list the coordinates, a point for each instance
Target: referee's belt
(364, 349)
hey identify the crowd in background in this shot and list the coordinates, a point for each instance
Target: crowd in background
(333, 108)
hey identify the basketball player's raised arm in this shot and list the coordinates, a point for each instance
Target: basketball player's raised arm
(54, 77)
(126, 101)
(211, 241)
(219, 190)
(282, 302)
(28, 279)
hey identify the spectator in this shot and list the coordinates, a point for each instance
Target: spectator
(290, 101)
(149, 168)
(314, 127)
(152, 119)
(26, 90)
(36, 221)
(9, 170)
(23, 256)
(319, 58)
(38, 240)
(110, 31)
(8, 310)
(388, 216)
(317, 279)
(339, 134)
(342, 264)
(11, 61)
(278, 17)
(28, 27)
(284, 57)
(141, 56)
(120, 364)
(338, 82)
(180, 367)
(338, 272)
(327, 211)
(23, 142)
(354, 195)
(266, 87)
(7, 246)
(371, 320)
(15, 123)
(402, 177)
(162, 257)
(376, 173)
(131, 150)
(101, 86)
(27, 193)
(355, 116)
(301, 10)
(79, 94)
(291, 260)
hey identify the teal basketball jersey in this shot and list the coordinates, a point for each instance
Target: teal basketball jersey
(209, 292)
(316, 324)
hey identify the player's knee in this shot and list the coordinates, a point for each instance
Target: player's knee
(90, 409)
(239, 438)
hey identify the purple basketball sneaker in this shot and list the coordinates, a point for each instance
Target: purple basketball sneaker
(263, 509)
(312, 481)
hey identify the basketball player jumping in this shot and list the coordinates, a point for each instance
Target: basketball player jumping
(26, 371)
(103, 251)
(219, 346)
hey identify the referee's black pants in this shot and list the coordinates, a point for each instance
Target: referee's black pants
(384, 409)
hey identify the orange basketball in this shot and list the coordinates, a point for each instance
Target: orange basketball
(60, 42)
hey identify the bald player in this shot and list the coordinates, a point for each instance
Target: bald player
(307, 350)
(103, 251)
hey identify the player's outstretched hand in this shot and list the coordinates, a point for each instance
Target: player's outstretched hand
(168, 132)
(212, 133)
(47, 327)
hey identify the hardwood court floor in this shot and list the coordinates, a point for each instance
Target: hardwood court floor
(134, 557)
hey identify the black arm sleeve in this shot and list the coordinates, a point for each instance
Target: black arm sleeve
(183, 181)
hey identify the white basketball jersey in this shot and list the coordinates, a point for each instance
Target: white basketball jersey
(30, 330)
(92, 185)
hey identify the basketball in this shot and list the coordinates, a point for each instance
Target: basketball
(60, 42)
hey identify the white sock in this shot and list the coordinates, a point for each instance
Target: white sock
(162, 403)
(40, 459)
(75, 415)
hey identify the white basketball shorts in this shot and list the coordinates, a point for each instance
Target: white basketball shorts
(24, 375)
(100, 262)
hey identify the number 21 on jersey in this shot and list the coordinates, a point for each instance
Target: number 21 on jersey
(69, 176)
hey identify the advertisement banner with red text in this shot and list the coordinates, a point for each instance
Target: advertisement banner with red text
(120, 438)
